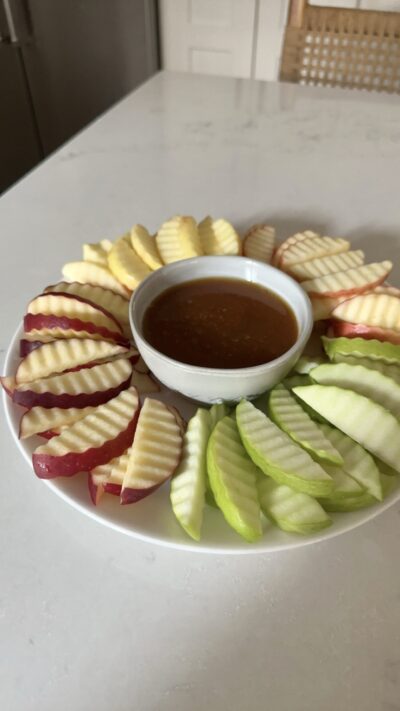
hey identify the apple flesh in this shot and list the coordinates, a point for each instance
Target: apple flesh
(66, 454)
(73, 306)
(358, 330)
(46, 327)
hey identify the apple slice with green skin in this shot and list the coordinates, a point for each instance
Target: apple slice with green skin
(391, 371)
(286, 412)
(259, 243)
(233, 478)
(291, 510)
(296, 379)
(155, 453)
(188, 485)
(94, 440)
(363, 420)
(344, 485)
(359, 330)
(384, 469)
(307, 363)
(217, 412)
(349, 282)
(40, 420)
(62, 355)
(370, 383)
(45, 328)
(326, 265)
(373, 349)
(277, 455)
(95, 275)
(115, 304)
(357, 502)
(380, 310)
(358, 463)
(81, 388)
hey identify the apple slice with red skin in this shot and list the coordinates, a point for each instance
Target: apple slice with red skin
(46, 327)
(73, 306)
(379, 310)
(48, 421)
(83, 388)
(94, 440)
(66, 355)
(290, 242)
(155, 452)
(26, 347)
(348, 282)
(359, 330)
(108, 478)
(9, 384)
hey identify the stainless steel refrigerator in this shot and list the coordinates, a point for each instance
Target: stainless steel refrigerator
(62, 62)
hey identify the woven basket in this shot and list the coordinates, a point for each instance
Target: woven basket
(358, 49)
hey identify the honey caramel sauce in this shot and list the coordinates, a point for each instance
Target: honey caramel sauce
(220, 323)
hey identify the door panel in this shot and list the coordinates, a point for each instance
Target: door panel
(19, 147)
(84, 56)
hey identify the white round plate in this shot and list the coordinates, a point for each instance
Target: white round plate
(152, 519)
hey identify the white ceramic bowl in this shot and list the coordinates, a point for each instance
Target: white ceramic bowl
(211, 385)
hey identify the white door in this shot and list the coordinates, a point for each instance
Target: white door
(208, 36)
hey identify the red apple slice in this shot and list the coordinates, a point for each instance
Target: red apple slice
(67, 354)
(81, 388)
(387, 289)
(108, 478)
(26, 347)
(73, 307)
(9, 384)
(155, 452)
(359, 330)
(259, 243)
(312, 248)
(48, 421)
(289, 242)
(349, 282)
(95, 275)
(381, 310)
(94, 440)
(46, 328)
(115, 304)
(323, 307)
(326, 265)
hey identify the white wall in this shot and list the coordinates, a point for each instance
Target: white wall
(241, 38)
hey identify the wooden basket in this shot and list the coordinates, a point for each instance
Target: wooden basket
(358, 49)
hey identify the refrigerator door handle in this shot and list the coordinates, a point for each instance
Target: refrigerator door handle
(17, 21)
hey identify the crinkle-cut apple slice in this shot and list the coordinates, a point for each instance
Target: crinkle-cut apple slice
(145, 247)
(106, 244)
(188, 486)
(358, 330)
(391, 371)
(9, 384)
(326, 265)
(40, 420)
(218, 237)
(277, 455)
(291, 381)
(307, 363)
(380, 310)
(387, 289)
(114, 304)
(289, 242)
(144, 383)
(108, 478)
(94, 252)
(182, 424)
(233, 478)
(93, 274)
(46, 328)
(178, 238)
(323, 306)
(344, 484)
(62, 355)
(26, 347)
(361, 348)
(356, 461)
(349, 282)
(286, 412)
(155, 452)
(74, 307)
(217, 412)
(126, 265)
(81, 388)
(365, 421)
(374, 385)
(94, 440)
(259, 243)
(291, 510)
(312, 248)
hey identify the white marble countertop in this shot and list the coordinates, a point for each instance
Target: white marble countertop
(90, 619)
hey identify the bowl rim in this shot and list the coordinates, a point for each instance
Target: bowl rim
(300, 342)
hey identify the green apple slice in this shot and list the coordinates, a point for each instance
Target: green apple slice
(390, 370)
(188, 485)
(307, 363)
(291, 510)
(384, 469)
(358, 502)
(344, 485)
(233, 479)
(286, 412)
(217, 412)
(293, 380)
(277, 455)
(357, 462)
(376, 350)
(366, 382)
(365, 421)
